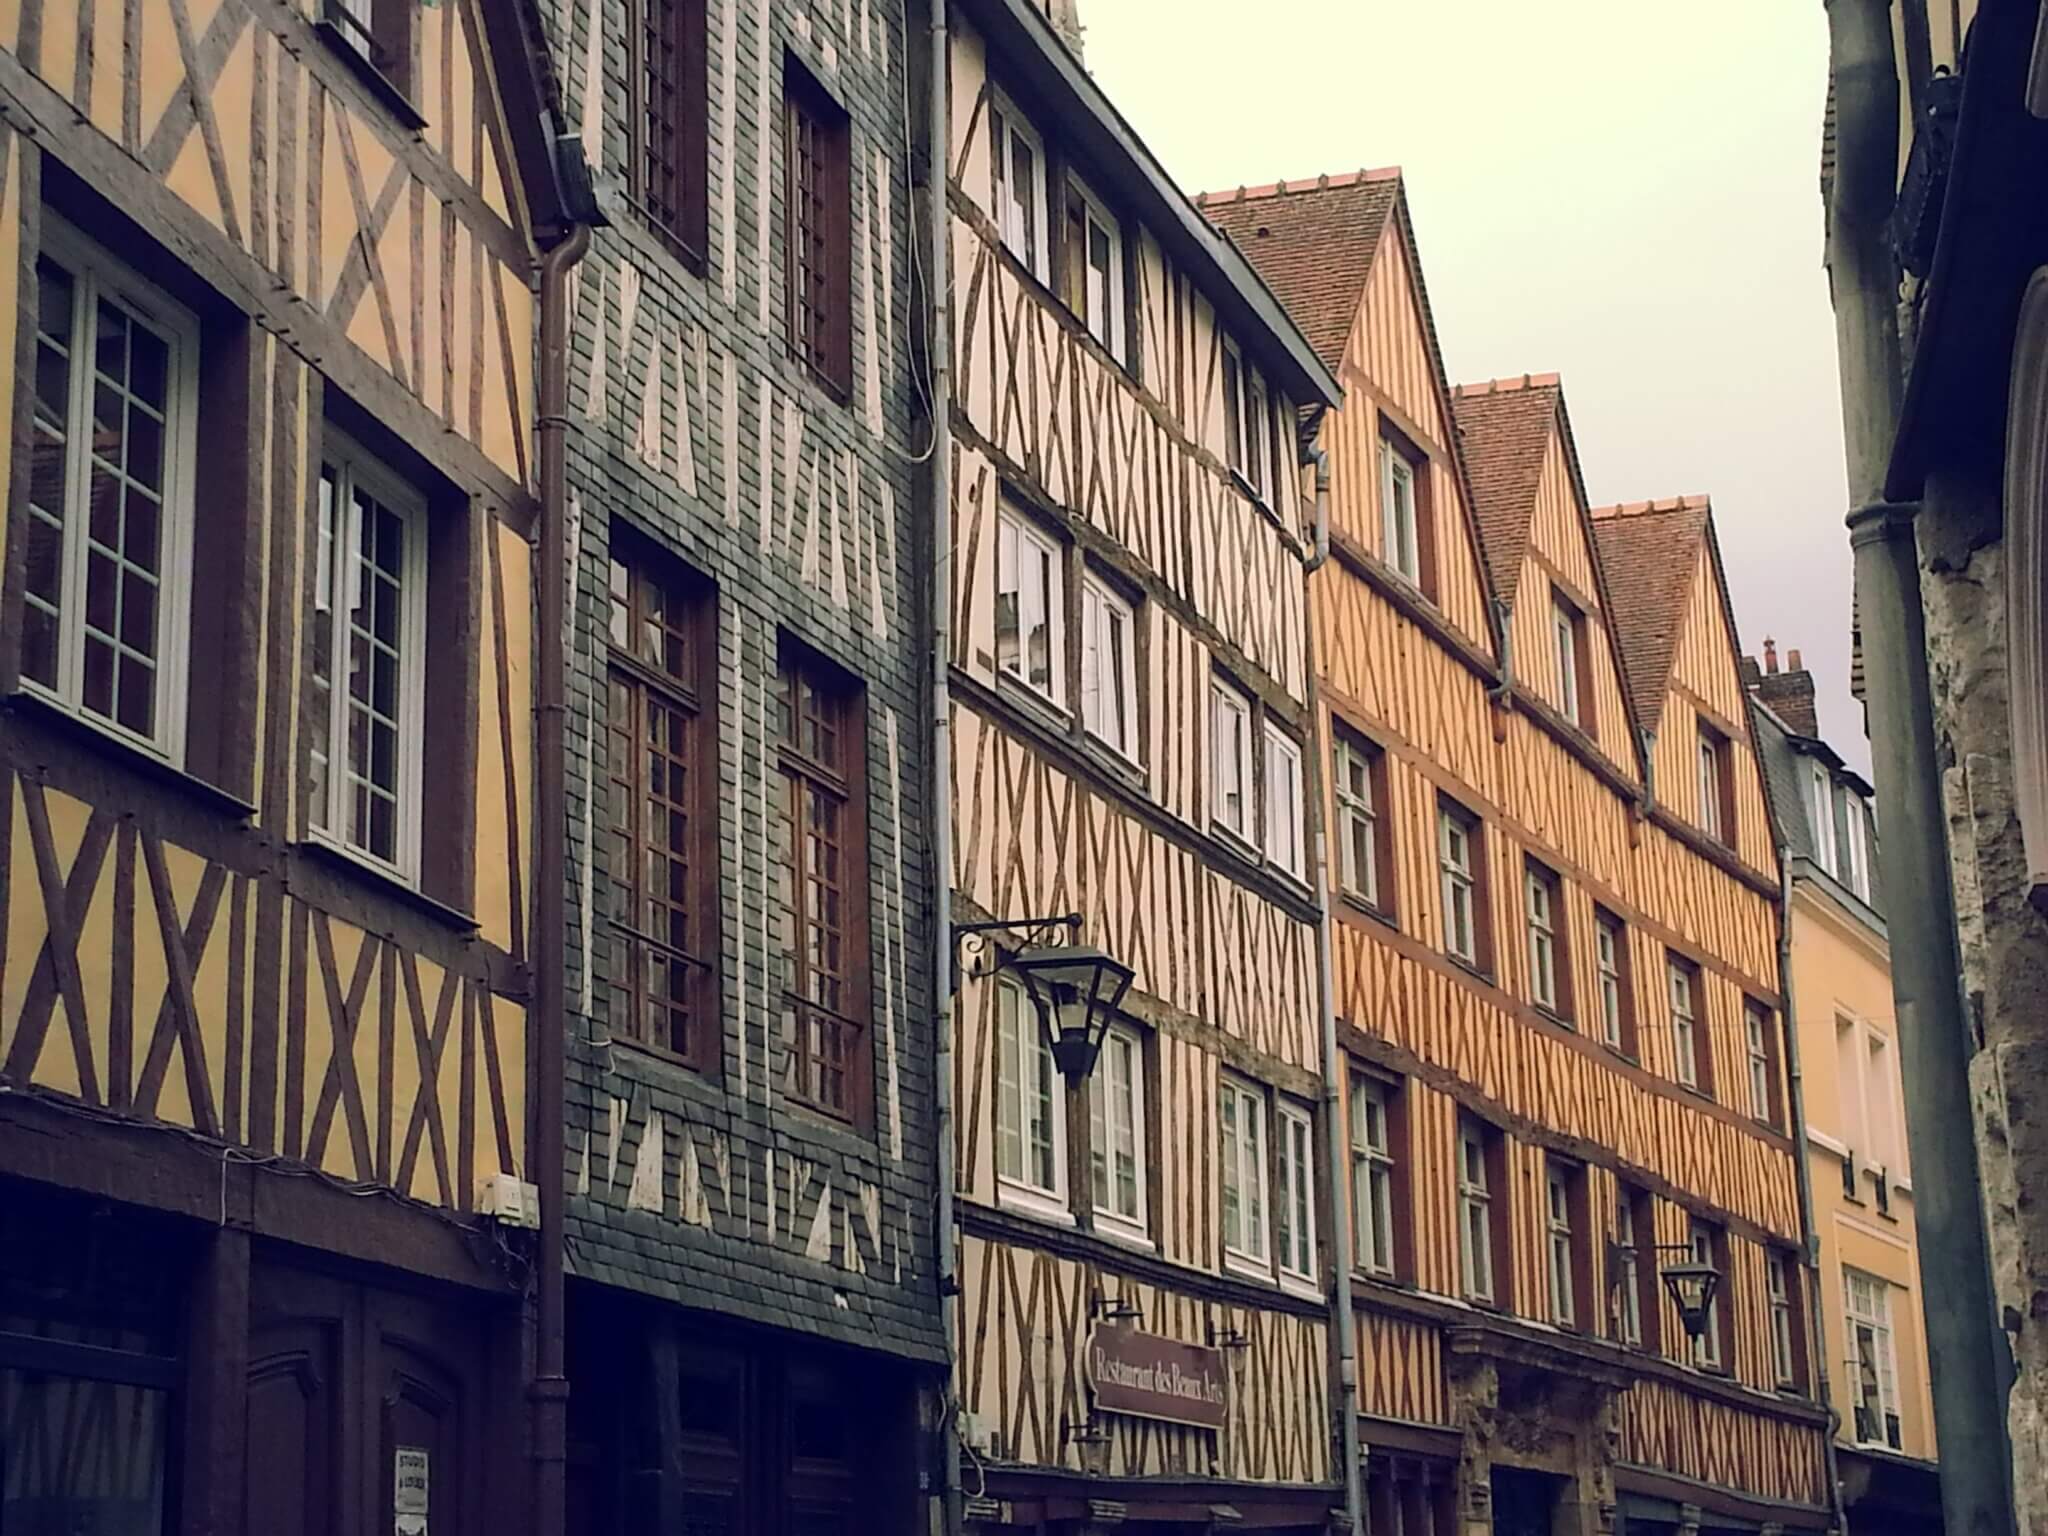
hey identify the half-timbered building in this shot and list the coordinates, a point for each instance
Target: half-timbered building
(265, 776)
(753, 1297)
(1130, 742)
(1556, 973)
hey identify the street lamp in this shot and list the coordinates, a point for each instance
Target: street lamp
(1075, 989)
(1692, 1282)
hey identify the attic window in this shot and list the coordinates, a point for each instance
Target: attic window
(1716, 785)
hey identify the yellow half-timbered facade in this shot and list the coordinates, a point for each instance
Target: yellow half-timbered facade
(1554, 904)
(266, 789)
(1130, 742)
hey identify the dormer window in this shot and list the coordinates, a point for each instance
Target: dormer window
(1568, 628)
(1095, 267)
(1247, 423)
(1716, 785)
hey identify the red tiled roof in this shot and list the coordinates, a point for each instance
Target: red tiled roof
(1313, 243)
(1504, 427)
(1647, 553)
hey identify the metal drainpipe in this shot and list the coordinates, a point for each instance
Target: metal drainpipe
(549, 1392)
(938, 332)
(1802, 1151)
(1337, 1172)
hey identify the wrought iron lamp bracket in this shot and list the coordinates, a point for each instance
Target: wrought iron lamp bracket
(974, 947)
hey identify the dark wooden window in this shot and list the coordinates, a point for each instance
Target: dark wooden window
(1692, 1035)
(670, 148)
(1716, 785)
(1632, 1270)
(1464, 906)
(1407, 511)
(662, 808)
(817, 222)
(1785, 1293)
(822, 900)
(1365, 822)
(1614, 984)
(1549, 940)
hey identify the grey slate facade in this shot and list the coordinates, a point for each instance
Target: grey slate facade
(694, 424)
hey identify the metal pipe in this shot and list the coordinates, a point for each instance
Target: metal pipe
(1802, 1152)
(549, 1391)
(1969, 1366)
(938, 342)
(1319, 555)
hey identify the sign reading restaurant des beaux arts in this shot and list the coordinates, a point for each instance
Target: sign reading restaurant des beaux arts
(1156, 1378)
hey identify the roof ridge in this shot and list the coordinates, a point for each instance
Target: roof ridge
(1693, 503)
(1506, 386)
(1322, 183)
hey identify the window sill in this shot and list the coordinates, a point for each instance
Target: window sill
(1034, 1203)
(1371, 909)
(1123, 1232)
(1304, 1286)
(1619, 1054)
(1697, 1092)
(381, 85)
(96, 737)
(1553, 1016)
(1237, 842)
(1245, 1265)
(1113, 759)
(1050, 711)
(1470, 967)
(659, 1053)
(338, 859)
(1251, 492)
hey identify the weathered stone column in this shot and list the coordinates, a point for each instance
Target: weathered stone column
(1475, 1406)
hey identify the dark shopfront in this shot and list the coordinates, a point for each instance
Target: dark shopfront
(691, 1425)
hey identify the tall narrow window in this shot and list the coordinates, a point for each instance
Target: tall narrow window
(1400, 543)
(1475, 1212)
(670, 170)
(1258, 433)
(1716, 789)
(1294, 1221)
(1781, 1272)
(1283, 801)
(1244, 1174)
(1873, 1366)
(1543, 898)
(817, 229)
(1230, 759)
(1116, 1132)
(1682, 982)
(1610, 967)
(1372, 1175)
(1858, 812)
(109, 506)
(1357, 771)
(1708, 1247)
(662, 769)
(1756, 1028)
(1030, 606)
(367, 678)
(1458, 868)
(1821, 808)
(1109, 667)
(1095, 267)
(1017, 182)
(1561, 1257)
(822, 895)
(1233, 406)
(1627, 1280)
(1031, 1121)
(1568, 626)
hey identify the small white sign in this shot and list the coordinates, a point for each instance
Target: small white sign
(409, 1490)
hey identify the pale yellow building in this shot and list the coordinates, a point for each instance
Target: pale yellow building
(1841, 1005)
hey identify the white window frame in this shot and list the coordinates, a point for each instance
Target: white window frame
(1564, 619)
(1858, 816)
(1608, 938)
(96, 274)
(1016, 536)
(1778, 1283)
(1867, 1300)
(1540, 904)
(1240, 1105)
(1372, 1175)
(1683, 1003)
(354, 466)
(1821, 804)
(1400, 544)
(1475, 1215)
(1294, 1208)
(1228, 707)
(1629, 1319)
(1459, 886)
(1101, 609)
(1358, 872)
(1120, 1043)
(1707, 1350)
(1710, 749)
(1756, 1026)
(1111, 333)
(1019, 1186)
(1005, 120)
(1283, 803)
(1255, 418)
(1557, 1225)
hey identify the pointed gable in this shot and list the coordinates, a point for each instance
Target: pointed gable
(1505, 428)
(1313, 244)
(1649, 554)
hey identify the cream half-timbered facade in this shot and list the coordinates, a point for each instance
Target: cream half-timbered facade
(265, 763)
(1554, 899)
(1129, 729)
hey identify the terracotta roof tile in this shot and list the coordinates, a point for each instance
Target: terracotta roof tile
(1647, 553)
(1504, 427)
(1313, 242)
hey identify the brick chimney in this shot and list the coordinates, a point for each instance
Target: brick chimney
(1788, 693)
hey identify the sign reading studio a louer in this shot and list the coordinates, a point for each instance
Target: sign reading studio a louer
(1157, 1378)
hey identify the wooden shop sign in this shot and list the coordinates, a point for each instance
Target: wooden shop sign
(1156, 1378)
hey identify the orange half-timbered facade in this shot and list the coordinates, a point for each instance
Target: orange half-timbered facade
(1131, 743)
(265, 767)
(1555, 946)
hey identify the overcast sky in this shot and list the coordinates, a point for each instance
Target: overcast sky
(1624, 192)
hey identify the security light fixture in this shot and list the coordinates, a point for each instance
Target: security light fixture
(1075, 989)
